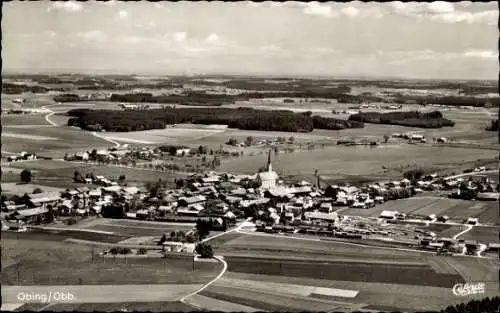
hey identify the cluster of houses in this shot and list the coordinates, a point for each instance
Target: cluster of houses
(414, 138)
(22, 156)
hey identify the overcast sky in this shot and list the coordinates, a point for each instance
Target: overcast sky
(414, 40)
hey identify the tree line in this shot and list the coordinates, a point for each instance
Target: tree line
(411, 118)
(241, 118)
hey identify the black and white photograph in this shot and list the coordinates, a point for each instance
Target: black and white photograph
(161, 156)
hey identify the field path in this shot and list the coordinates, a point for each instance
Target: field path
(47, 117)
(117, 144)
(224, 269)
(469, 227)
(220, 259)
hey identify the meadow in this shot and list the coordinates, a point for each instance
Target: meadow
(41, 262)
(60, 173)
(358, 160)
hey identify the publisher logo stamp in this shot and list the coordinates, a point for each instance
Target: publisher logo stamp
(466, 289)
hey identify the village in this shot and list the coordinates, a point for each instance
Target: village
(224, 199)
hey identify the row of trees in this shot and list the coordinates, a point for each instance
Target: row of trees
(242, 118)
(411, 118)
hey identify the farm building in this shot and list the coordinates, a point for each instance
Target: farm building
(30, 215)
(182, 151)
(190, 201)
(44, 199)
(388, 214)
(319, 216)
(488, 196)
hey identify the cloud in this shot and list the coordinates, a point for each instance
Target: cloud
(51, 33)
(93, 35)
(318, 9)
(483, 54)
(270, 48)
(441, 7)
(179, 36)
(212, 39)
(350, 11)
(68, 6)
(444, 12)
(123, 14)
(150, 25)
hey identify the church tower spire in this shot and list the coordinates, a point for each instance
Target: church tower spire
(269, 166)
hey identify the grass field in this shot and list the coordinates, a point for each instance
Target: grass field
(21, 189)
(277, 246)
(444, 230)
(414, 297)
(9, 120)
(54, 172)
(55, 263)
(66, 138)
(360, 160)
(114, 307)
(368, 272)
(483, 234)
(457, 210)
(486, 211)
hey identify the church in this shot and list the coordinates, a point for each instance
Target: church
(269, 178)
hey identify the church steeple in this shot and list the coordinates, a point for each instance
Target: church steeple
(269, 166)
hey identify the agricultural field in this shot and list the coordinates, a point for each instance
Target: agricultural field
(261, 291)
(21, 189)
(457, 210)
(60, 173)
(358, 160)
(23, 120)
(301, 248)
(444, 230)
(62, 140)
(483, 234)
(61, 263)
(486, 211)
(137, 229)
(115, 307)
(420, 275)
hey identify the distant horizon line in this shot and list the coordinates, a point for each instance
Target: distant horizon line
(214, 74)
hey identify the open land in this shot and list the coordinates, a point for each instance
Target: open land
(56, 263)
(60, 173)
(269, 272)
(361, 160)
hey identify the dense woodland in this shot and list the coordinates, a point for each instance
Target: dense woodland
(8, 88)
(412, 119)
(242, 118)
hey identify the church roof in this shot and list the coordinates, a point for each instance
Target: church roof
(268, 175)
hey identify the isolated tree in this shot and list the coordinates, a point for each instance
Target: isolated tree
(249, 141)
(162, 239)
(231, 142)
(204, 250)
(386, 138)
(37, 190)
(291, 139)
(122, 177)
(76, 177)
(203, 228)
(26, 176)
(202, 150)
